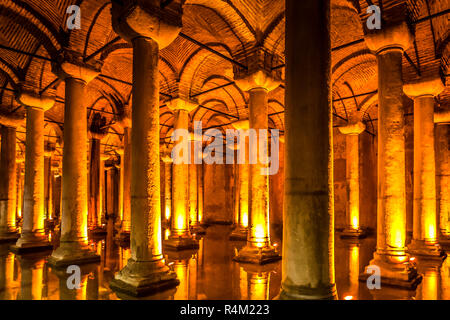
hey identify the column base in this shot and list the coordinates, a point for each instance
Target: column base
(69, 253)
(426, 251)
(444, 241)
(31, 242)
(395, 271)
(9, 236)
(124, 236)
(239, 234)
(97, 232)
(181, 243)
(307, 293)
(198, 229)
(353, 233)
(250, 254)
(144, 278)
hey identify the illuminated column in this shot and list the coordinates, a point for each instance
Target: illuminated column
(352, 132)
(167, 160)
(390, 256)
(200, 193)
(194, 198)
(73, 247)
(308, 224)
(48, 181)
(126, 217)
(146, 270)
(258, 83)
(20, 178)
(240, 232)
(8, 185)
(95, 175)
(33, 234)
(103, 189)
(32, 275)
(6, 273)
(443, 179)
(425, 224)
(180, 236)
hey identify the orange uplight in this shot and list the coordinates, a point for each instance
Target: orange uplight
(348, 298)
(167, 212)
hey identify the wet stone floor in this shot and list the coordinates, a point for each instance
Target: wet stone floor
(207, 273)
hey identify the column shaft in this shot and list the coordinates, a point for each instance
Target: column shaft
(8, 183)
(443, 177)
(193, 189)
(94, 213)
(126, 219)
(167, 190)
(308, 231)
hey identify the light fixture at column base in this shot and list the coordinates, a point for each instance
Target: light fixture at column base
(307, 293)
(401, 274)
(255, 255)
(72, 253)
(11, 236)
(139, 279)
(198, 229)
(354, 233)
(426, 251)
(180, 243)
(239, 234)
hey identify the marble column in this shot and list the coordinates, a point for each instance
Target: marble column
(74, 247)
(352, 131)
(390, 256)
(33, 237)
(240, 232)
(443, 180)
(180, 236)
(308, 225)
(424, 243)
(8, 185)
(126, 184)
(146, 270)
(258, 83)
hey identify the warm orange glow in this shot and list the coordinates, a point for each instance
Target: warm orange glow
(355, 219)
(430, 228)
(430, 285)
(244, 219)
(258, 285)
(259, 235)
(348, 298)
(166, 234)
(167, 212)
(181, 269)
(37, 276)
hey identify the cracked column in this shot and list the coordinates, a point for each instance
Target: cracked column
(148, 29)
(8, 185)
(33, 237)
(240, 232)
(424, 243)
(308, 224)
(352, 131)
(258, 81)
(180, 236)
(390, 256)
(74, 247)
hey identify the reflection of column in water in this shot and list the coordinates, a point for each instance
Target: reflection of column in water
(92, 286)
(243, 284)
(125, 254)
(31, 284)
(258, 285)
(353, 271)
(181, 269)
(445, 280)
(72, 294)
(6, 276)
(193, 277)
(201, 249)
(428, 289)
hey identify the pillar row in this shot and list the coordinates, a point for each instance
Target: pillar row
(125, 161)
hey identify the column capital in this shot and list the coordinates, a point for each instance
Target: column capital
(424, 87)
(70, 64)
(34, 100)
(396, 36)
(49, 149)
(125, 117)
(120, 151)
(241, 124)
(442, 116)
(182, 104)
(354, 128)
(257, 80)
(134, 19)
(104, 157)
(12, 120)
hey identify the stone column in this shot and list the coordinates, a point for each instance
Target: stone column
(180, 236)
(352, 131)
(33, 236)
(8, 185)
(443, 180)
(20, 178)
(103, 188)
(48, 182)
(146, 270)
(240, 232)
(424, 243)
(308, 224)
(258, 83)
(200, 194)
(126, 158)
(167, 160)
(74, 247)
(390, 256)
(194, 198)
